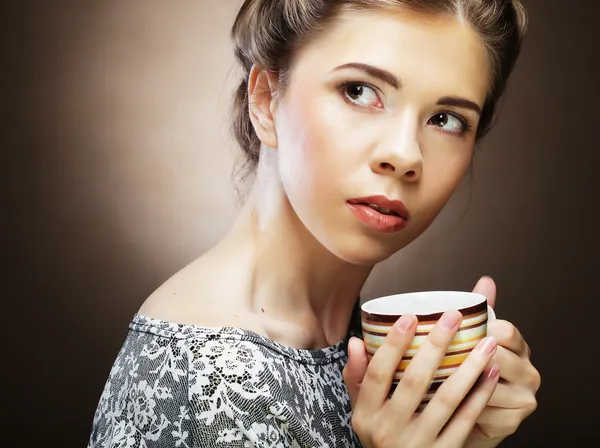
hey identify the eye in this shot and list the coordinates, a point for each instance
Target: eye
(449, 123)
(361, 95)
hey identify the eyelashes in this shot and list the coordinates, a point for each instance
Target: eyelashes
(367, 97)
(457, 123)
(354, 90)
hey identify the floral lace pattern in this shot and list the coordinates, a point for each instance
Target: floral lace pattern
(187, 386)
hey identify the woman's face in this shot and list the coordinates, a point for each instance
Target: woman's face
(385, 105)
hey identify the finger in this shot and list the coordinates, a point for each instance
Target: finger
(465, 418)
(509, 337)
(514, 369)
(508, 396)
(416, 378)
(355, 369)
(496, 423)
(486, 287)
(454, 390)
(377, 381)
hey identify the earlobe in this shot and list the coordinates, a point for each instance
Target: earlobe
(261, 88)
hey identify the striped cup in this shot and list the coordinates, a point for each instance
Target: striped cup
(378, 316)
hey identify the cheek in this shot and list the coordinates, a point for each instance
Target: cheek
(434, 196)
(315, 146)
(442, 176)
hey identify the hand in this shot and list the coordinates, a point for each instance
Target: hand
(514, 397)
(380, 421)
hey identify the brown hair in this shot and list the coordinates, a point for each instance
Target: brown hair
(269, 33)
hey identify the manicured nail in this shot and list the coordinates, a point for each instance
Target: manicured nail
(450, 320)
(492, 373)
(405, 323)
(487, 345)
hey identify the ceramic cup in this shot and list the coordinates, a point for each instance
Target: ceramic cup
(378, 316)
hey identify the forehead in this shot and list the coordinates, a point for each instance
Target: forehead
(441, 54)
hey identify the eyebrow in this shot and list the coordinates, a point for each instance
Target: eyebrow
(391, 79)
(379, 73)
(459, 102)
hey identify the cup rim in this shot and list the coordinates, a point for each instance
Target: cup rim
(466, 300)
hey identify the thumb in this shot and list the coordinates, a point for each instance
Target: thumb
(486, 287)
(355, 369)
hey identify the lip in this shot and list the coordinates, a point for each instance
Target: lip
(384, 202)
(376, 220)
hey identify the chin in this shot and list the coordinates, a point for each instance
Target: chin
(363, 250)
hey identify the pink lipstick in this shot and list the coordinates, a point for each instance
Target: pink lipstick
(380, 213)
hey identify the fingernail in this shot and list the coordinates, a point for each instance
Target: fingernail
(405, 323)
(492, 373)
(450, 320)
(487, 345)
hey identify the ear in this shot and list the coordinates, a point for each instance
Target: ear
(261, 93)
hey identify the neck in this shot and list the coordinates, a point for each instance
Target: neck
(303, 294)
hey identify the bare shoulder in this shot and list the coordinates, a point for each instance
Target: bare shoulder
(201, 293)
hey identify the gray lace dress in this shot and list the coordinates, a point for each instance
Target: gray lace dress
(177, 385)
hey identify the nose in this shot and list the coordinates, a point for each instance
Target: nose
(399, 155)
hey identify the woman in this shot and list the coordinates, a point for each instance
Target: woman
(359, 120)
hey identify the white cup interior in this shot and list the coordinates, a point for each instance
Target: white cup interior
(425, 302)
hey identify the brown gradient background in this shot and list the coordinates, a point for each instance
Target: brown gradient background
(118, 164)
